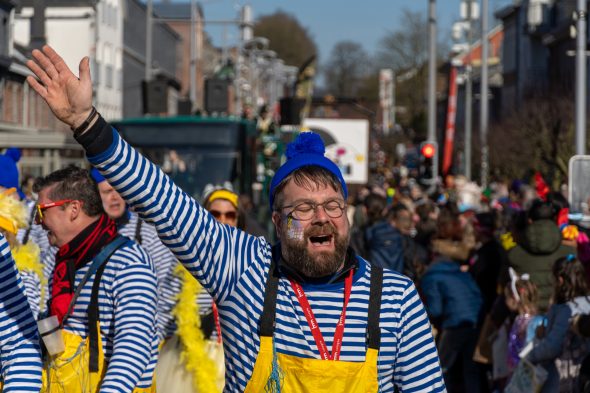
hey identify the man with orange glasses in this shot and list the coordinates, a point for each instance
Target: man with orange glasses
(105, 301)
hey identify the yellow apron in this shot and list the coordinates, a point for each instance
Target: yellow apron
(299, 375)
(81, 367)
(69, 372)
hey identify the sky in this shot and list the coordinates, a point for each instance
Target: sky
(331, 21)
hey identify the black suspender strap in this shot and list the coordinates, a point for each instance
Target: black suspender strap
(373, 331)
(97, 267)
(267, 320)
(138, 238)
(93, 333)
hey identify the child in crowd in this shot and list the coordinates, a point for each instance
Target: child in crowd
(521, 297)
(561, 351)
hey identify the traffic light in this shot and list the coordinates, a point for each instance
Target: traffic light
(428, 162)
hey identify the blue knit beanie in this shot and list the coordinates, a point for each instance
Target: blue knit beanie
(9, 171)
(98, 178)
(306, 150)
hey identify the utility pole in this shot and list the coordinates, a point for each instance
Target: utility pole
(484, 117)
(148, 40)
(432, 85)
(469, 92)
(431, 71)
(581, 78)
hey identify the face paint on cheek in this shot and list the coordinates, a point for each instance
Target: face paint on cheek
(294, 229)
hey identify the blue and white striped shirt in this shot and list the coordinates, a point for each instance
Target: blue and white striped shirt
(127, 313)
(164, 263)
(233, 266)
(20, 355)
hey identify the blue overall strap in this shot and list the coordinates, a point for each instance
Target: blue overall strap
(97, 261)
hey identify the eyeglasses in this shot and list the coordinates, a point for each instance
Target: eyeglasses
(304, 211)
(228, 215)
(41, 207)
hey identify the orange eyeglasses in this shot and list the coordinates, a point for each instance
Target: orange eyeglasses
(41, 207)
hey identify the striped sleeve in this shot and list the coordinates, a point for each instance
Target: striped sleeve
(135, 297)
(417, 367)
(19, 348)
(215, 254)
(32, 285)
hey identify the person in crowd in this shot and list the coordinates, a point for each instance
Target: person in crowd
(131, 226)
(416, 257)
(20, 354)
(251, 224)
(373, 209)
(488, 260)
(453, 302)
(278, 306)
(561, 351)
(427, 214)
(183, 365)
(110, 308)
(14, 216)
(538, 248)
(521, 298)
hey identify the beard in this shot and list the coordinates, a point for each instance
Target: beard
(319, 264)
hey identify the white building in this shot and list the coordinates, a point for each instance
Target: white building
(85, 28)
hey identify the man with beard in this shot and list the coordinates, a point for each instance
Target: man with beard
(304, 315)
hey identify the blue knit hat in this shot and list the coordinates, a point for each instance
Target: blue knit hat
(98, 178)
(306, 150)
(9, 171)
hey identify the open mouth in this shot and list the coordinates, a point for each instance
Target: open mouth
(321, 240)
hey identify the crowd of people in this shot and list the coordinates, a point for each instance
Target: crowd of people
(115, 280)
(503, 276)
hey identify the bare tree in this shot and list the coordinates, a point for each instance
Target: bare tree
(539, 136)
(405, 50)
(292, 42)
(346, 69)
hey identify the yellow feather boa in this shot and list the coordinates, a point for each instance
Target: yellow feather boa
(188, 323)
(28, 257)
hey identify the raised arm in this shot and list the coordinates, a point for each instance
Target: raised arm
(215, 254)
(20, 355)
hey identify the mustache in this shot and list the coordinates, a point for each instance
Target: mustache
(323, 230)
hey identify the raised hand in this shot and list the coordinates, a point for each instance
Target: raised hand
(68, 97)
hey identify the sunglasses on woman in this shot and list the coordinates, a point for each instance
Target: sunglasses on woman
(232, 215)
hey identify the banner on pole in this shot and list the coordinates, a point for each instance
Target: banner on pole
(450, 126)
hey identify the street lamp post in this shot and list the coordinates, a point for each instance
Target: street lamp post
(581, 78)
(469, 92)
(484, 97)
(432, 87)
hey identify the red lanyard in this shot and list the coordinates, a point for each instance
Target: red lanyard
(313, 325)
(217, 324)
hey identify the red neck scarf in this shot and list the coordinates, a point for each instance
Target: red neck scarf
(75, 255)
